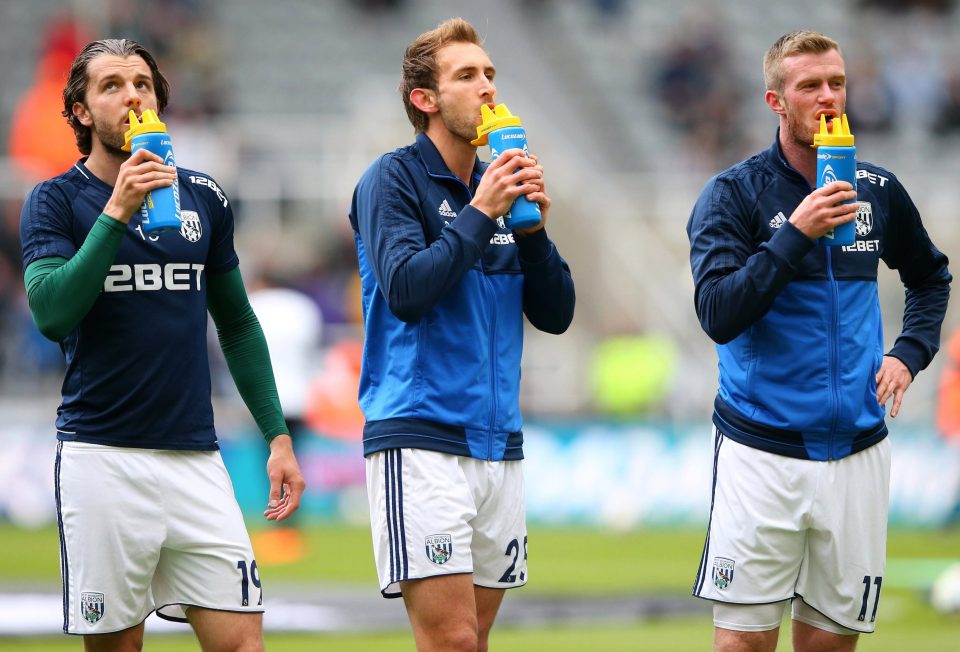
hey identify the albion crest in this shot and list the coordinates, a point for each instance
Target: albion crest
(864, 219)
(91, 606)
(190, 227)
(722, 572)
(439, 548)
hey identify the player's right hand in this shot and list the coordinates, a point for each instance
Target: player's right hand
(142, 172)
(498, 186)
(823, 209)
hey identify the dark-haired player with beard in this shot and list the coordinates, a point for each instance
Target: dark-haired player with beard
(148, 519)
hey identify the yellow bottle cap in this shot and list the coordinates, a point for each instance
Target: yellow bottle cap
(841, 136)
(148, 123)
(497, 118)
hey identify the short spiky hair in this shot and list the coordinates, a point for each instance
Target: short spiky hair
(76, 88)
(420, 62)
(788, 45)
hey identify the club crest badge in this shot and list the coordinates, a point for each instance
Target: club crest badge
(190, 227)
(864, 219)
(91, 606)
(439, 548)
(722, 572)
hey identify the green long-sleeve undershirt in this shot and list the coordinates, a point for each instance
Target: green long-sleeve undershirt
(60, 293)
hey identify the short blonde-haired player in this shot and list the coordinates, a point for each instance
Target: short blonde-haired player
(802, 459)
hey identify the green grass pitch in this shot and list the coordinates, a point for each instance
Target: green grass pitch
(563, 562)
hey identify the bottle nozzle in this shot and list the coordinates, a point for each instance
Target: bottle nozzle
(148, 122)
(840, 137)
(493, 119)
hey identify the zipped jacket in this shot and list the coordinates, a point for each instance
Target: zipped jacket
(444, 291)
(797, 323)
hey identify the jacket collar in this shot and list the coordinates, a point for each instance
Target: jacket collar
(778, 161)
(435, 165)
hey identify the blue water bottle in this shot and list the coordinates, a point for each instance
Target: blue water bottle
(160, 210)
(502, 131)
(837, 161)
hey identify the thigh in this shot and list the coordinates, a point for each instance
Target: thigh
(111, 533)
(755, 538)
(207, 560)
(500, 526)
(227, 631)
(848, 539)
(421, 507)
(442, 611)
(127, 639)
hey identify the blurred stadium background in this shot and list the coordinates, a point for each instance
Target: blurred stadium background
(631, 105)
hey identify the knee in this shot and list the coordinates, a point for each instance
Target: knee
(461, 639)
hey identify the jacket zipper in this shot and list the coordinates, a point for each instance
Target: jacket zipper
(493, 340)
(834, 350)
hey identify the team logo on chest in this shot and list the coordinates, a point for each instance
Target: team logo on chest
(722, 572)
(91, 606)
(439, 548)
(190, 227)
(864, 219)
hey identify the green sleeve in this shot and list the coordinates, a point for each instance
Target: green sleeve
(61, 292)
(245, 349)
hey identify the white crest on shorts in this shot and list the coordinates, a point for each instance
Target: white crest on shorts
(190, 227)
(722, 572)
(91, 606)
(439, 548)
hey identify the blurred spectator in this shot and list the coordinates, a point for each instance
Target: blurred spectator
(915, 75)
(948, 407)
(633, 374)
(292, 325)
(948, 115)
(180, 34)
(42, 144)
(697, 86)
(870, 100)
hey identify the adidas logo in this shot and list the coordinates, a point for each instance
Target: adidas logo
(445, 210)
(777, 221)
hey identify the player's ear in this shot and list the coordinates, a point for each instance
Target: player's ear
(81, 113)
(425, 100)
(775, 102)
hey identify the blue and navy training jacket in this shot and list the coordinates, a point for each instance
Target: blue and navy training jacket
(797, 323)
(444, 291)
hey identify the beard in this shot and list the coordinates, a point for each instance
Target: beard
(800, 131)
(112, 139)
(458, 124)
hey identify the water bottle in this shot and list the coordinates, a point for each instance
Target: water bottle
(837, 161)
(502, 131)
(160, 210)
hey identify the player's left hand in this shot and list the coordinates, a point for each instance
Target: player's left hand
(893, 379)
(540, 197)
(286, 481)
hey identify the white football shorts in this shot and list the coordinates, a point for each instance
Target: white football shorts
(782, 527)
(144, 530)
(439, 514)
